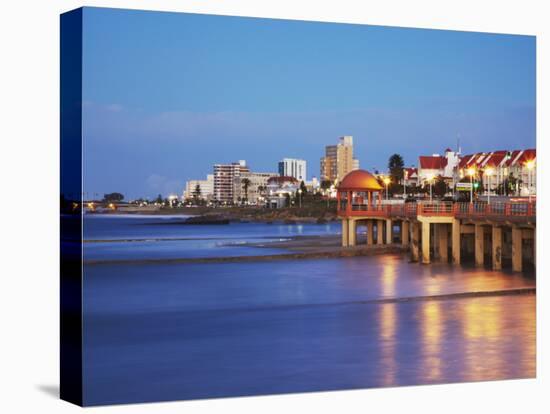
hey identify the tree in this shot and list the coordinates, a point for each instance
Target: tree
(113, 197)
(303, 188)
(325, 184)
(159, 199)
(395, 167)
(246, 183)
(440, 187)
(197, 192)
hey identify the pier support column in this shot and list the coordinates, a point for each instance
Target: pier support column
(380, 232)
(443, 243)
(516, 249)
(425, 242)
(370, 232)
(345, 239)
(389, 231)
(404, 233)
(455, 238)
(479, 244)
(352, 227)
(415, 241)
(497, 248)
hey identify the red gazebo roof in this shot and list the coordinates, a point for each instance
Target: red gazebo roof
(359, 180)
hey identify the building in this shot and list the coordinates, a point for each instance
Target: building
(279, 190)
(410, 177)
(430, 167)
(338, 160)
(497, 170)
(292, 167)
(206, 188)
(251, 187)
(224, 179)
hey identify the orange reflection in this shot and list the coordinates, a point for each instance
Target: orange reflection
(388, 326)
(432, 327)
(389, 278)
(483, 320)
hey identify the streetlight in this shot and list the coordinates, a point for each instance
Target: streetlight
(387, 180)
(430, 180)
(530, 165)
(471, 173)
(405, 175)
(488, 172)
(300, 196)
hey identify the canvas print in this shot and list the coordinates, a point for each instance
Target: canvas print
(259, 206)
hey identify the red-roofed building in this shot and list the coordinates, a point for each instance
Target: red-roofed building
(436, 165)
(498, 168)
(410, 176)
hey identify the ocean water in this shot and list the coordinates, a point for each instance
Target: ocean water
(112, 237)
(185, 331)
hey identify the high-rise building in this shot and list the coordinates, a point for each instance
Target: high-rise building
(291, 167)
(338, 160)
(224, 179)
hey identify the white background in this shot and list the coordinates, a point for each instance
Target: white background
(29, 156)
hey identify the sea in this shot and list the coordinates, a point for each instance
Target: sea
(161, 330)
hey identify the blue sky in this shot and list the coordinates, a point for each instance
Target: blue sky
(166, 95)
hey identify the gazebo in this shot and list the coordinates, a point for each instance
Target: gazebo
(359, 190)
(359, 197)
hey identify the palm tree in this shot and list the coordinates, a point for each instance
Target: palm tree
(246, 183)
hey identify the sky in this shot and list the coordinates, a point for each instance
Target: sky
(167, 95)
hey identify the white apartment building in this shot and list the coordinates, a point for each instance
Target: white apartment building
(292, 167)
(251, 187)
(206, 188)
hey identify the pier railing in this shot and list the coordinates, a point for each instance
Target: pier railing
(497, 210)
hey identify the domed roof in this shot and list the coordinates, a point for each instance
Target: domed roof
(359, 180)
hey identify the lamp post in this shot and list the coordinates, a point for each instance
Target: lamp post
(405, 175)
(430, 180)
(471, 173)
(300, 196)
(530, 165)
(387, 181)
(489, 172)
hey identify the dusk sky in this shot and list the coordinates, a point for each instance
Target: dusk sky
(167, 95)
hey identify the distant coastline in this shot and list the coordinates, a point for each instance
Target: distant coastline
(293, 215)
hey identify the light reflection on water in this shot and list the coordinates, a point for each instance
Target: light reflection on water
(210, 330)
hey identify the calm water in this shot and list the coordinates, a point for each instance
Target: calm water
(161, 332)
(157, 237)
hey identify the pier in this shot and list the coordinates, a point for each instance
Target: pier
(444, 231)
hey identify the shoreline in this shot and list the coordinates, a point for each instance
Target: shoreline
(296, 255)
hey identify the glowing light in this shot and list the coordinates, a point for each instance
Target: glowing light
(489, 171)
(530, 164)
(471, 171)
(387, 180)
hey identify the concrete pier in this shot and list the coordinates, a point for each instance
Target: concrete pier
(479, 240)
(426, 242)
(443, 242)
(380, 232)
(496, 241)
